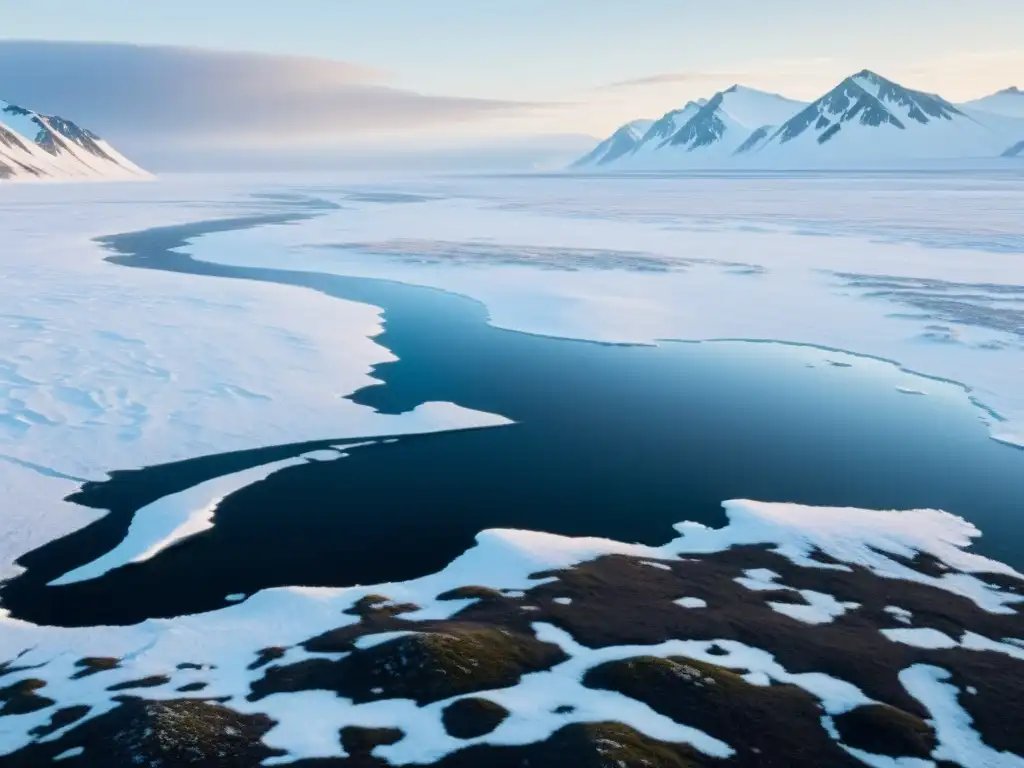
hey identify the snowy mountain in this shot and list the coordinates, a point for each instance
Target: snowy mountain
(869, 118)
(666, 126)
(631, 136)
(36, 146)
(708, 129)
(1009, 102)
(622, 142)
(866, 119)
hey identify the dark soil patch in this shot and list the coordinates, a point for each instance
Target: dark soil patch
(93, 665)
(61, 719)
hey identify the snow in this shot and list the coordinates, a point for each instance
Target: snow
(933, 639)
(958, 741)
(1010, 647)
(170, 520)
(929, 639)
(752, 108)
(760, 580)
(820, 608)
(901, 615)
(235, 597)
(884, 761)
(661, 566)
(814, 242)
(76, 752)
(691, 602)
(372, 641)
(563, 600)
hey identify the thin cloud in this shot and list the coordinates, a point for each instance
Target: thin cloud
(671, 78)
(181, 96)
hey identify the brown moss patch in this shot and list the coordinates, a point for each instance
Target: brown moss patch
(472, 593)
(596, 745)
(164, 734)
(884, 730)
(267, 656)
(23, 697)
(451, 659)
(360, 742)
(154, 681)
(753, 720)
(93, 665)
(379, 605)
(472, 718)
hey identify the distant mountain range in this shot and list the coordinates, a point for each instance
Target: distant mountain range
(36, 146)
(865, 121)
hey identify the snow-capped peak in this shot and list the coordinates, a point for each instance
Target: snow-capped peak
(625, 139)
(905, 102)
(1008, 102)
(665, 127)
(866, 119)
(754, 109)
(38, 146)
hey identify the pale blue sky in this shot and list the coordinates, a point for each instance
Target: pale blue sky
(554, 49)
(469, 70)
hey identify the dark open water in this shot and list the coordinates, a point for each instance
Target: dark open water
(612, 441)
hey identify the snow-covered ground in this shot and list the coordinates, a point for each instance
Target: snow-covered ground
(926, 271)
(105, 368)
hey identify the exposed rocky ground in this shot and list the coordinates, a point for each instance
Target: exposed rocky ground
(703, 667)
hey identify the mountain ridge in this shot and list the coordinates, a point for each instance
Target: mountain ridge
(865, 118)
(34, 146)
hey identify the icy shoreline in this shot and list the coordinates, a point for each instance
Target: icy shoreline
(566, 258)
